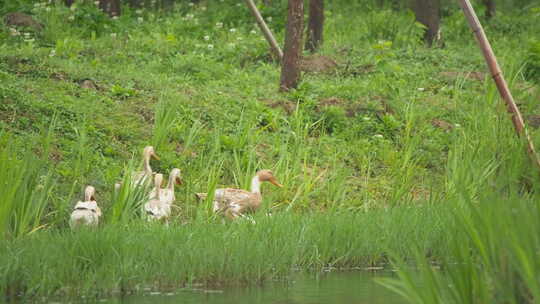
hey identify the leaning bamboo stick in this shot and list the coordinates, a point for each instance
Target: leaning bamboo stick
(498, 77)
(266, 31)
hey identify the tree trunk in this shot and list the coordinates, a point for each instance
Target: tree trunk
(290, 65)
(315, 25)
(68, 3)
(490, 8)
(111, 7)
(427, 12)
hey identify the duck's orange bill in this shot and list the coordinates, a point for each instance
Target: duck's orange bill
(275, 182)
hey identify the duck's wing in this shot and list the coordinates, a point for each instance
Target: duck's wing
(236, 199)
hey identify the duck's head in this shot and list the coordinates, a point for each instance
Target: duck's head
(89, 193)
(149, 152)
(176, 176)
(268, 176)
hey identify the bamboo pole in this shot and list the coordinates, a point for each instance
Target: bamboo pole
(265, 30)
(498, 77)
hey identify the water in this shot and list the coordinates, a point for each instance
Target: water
(333, 287)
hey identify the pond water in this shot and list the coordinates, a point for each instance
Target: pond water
(333, 287)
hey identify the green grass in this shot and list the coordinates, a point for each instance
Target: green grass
(129, 257)
(366, 173)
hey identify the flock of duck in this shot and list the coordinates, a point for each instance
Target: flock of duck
(228, 202)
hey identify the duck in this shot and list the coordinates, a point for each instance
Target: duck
(234, 203)
(155, 208)
(87, 212)
(167, 194)
(142, 177)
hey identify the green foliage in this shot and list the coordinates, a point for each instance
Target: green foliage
(532, 62)
(373, 156)
(26, 191)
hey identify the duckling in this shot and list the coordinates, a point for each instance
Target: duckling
(155, 208)
(87, 212)
(234, 203)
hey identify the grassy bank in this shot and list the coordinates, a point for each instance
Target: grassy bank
(126, 259)
(381, 155)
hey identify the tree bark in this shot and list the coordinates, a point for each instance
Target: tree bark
(111, 7)
(428, 13)
(490, 8)
(315, 25)
(290, 65)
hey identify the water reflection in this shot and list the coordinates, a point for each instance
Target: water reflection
(334, 287)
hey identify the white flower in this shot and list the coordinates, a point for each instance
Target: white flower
(238, 38)
(138, 12)
(26, 35)
(269, 19)
(96, 3)
(140, 19)
(366, 118)
(457, 125)
(203, 8)
(421, 89)
(71, 18)
(238, 4)
(73, 8)
(219, 24)
(233, 30)
(115, 18)
(30, 40)
(113, 35)
(378, 136)
(206, 37)
(52, 53)
(210, 46)
(253, 32)
(191, 4)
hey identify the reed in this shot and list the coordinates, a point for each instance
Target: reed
(118, 258)
(26, 191)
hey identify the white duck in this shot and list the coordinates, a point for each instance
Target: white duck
(234, 203)
(87, 212)
(167, 194)
(155, 208)
(142, 177)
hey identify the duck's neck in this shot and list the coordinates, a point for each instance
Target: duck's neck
(170, 185)
(256, 184)
(158, 190)
(88, 195)
(147, 168)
